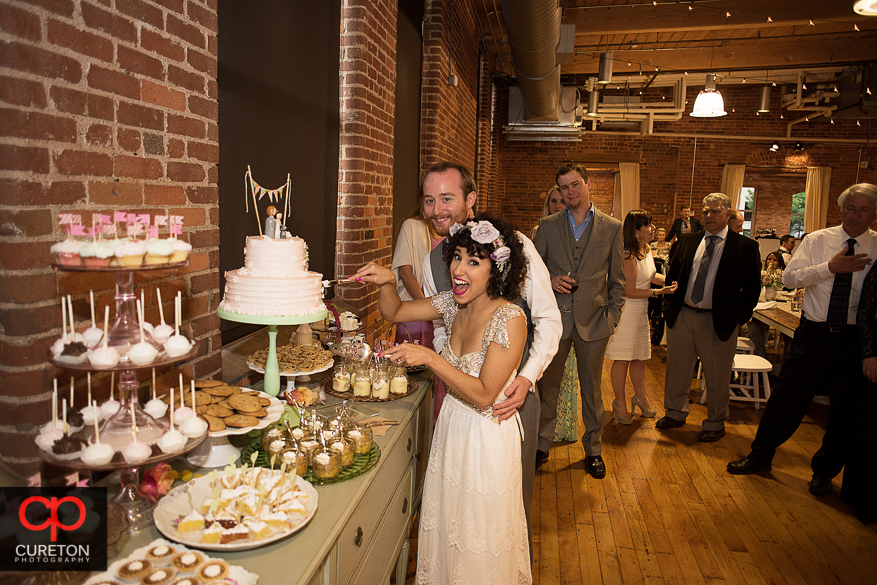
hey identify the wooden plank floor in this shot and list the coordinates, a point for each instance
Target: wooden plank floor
(669, 512)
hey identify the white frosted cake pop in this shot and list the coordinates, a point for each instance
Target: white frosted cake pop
(66, 339)
(135, 451)
(92, 336)
(52, 431)
(184, 412)
(104, 356)
(91, 413)
(155, 408)
(111, 406)
(97, 453)
(162, 332)
(177, 344)
(173, 440)
(194, 426)
(143, 352)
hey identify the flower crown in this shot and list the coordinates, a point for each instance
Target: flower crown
(483, 232)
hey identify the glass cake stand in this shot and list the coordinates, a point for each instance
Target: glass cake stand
(272, 368)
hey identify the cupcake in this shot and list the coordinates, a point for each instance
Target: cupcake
(158, 252)
(181, 250)
(67, 253)
(96, 254)
(133, 571)
(130, 253)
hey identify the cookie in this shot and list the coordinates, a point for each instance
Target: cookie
(224, 404)
(208, 383)
(218, 411)
(201, 409)
(240, 420)
(216, 424)
(244, 402)
(219, 391)
(258, 413)
(264, 401)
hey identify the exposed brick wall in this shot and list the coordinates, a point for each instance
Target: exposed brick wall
(365, 181)
(103, 106)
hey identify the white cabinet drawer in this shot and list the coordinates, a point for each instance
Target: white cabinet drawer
(360, 530)
(379, 561)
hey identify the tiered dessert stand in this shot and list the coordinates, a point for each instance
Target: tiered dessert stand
(116, 430)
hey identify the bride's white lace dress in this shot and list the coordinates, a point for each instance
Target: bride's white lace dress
(472, 526)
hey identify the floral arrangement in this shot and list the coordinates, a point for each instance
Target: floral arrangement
(772, 278)
(483, 232)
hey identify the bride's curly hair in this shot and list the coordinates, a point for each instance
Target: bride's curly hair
(506, 277)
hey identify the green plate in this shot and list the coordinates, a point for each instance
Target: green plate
(361, 463)
(263, 320)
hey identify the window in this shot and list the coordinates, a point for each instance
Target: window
(746, 205)
(796, 227)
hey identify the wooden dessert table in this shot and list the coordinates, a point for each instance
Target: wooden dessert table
(359, 534)
(779, 318)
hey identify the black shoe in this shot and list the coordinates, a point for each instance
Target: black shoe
(541, 456)
(669, 423)
(710, 436)
(820, 485)
(595, 466)
(749, 465)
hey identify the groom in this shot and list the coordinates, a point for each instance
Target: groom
(449, 197)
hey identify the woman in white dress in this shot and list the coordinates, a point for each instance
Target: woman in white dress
(630, 345)
(472, 524)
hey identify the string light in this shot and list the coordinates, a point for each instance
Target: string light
(804, 85)
(832, 121)
(856, 27)
(686, 74)
(806, 119)
(769, 19)
(782, 117)
(774, 84)
(690, 8)
(811, 23)
(654, 2)
(868, 90)
(727, 15)
(858, 123)
(744, 80)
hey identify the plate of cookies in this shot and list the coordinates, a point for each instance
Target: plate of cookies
(294, 360)
(232, 410)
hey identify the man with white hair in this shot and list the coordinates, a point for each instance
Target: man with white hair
(824, 356)
(718, 272)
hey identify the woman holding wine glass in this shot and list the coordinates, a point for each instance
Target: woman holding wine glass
(630, 346)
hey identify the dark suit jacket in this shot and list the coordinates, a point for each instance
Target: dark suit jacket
(737, 285)
(676, 229)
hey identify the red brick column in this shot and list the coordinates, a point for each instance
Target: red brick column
(365, 174)
(103, 107)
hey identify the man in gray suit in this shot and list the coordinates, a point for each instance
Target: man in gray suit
(586, 244)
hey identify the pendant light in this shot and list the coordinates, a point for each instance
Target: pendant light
(709, 102)
(593, 103)
(604, 75)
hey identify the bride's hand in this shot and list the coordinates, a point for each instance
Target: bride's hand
(410, 354)
(376, 274)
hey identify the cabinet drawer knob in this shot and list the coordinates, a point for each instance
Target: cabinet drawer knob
(410, 442)
(405, 505)
(358, 539)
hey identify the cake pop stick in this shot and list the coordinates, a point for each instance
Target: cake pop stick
(160, 308)
(72, 401)
(55, 405)
(112, 383)
(178, 312)
(96, 426)
(153, 383)
(193, 393)
(63, 318)
(106, 325)
(140, 320)
(172, 407)
(91, 304)
(70, 310)
(64, 412)
(89, 387)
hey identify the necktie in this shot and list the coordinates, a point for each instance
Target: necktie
(839, 303)
(685, 228)
(702, 270)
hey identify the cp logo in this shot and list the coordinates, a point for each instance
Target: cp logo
(52, 521)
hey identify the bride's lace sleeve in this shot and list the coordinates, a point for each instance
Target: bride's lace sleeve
(865, 318)
(499, 331)
(445, 304)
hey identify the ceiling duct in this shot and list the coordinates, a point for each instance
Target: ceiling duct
(534, 34)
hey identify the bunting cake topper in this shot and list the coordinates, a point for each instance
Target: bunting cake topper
(274, 195)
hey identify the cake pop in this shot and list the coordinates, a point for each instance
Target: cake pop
(111, 406)
(147, 326)
(162, 332)
(184, 412)
(65, 339)
(92, 336)
(67, 447)
(75, 419)
(194, 426)
(104, 356)
(135, 451)
(51, 432)
(91, 413)
(155, 408)
(173, 440)
(97, 453)
(70, 348)
(177, 344)
(143, 352)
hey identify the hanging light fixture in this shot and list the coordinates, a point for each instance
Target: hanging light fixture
(709, 102)
(764, 99)
(866, 7)
(593, 103)
(774, 147)
(605, 74)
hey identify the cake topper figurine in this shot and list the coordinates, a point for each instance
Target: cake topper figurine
(274, 195)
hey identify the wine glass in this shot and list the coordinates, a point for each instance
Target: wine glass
(572, 275)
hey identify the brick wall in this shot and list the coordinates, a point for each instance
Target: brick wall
(104, 106)
(365, 181)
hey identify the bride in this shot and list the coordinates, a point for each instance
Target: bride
(472, 526)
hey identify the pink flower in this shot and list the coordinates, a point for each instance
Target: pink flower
(158, 481)
(484, 232)
(501, 254)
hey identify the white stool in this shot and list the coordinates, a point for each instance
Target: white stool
(749, 366)
(744, 345)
